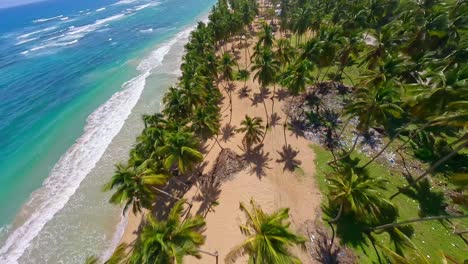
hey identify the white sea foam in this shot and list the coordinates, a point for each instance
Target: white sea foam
(79, 32)
(140, 7)
(40, 20)
(23, 41)
(100, 9)
(54, 45)
(120, 230)
(149, 30)
(64, 179)
(125, 2)
(36, 32)
(64, 18)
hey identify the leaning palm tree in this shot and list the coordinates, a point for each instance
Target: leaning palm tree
(268, 237)
(169, 241)
(266, 37)
(357, 194)
(180, 150)
(226, 68)
(267, 68)
(133, 186)
(373, 106)
(206, 121)
(253, 129)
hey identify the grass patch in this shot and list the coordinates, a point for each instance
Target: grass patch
(430, 237)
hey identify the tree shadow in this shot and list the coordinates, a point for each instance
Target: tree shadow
(244, 92)
(274, 119)
(210, 189)
(349, 230)
(228, 131)
(231, 87)
(261, 96)
(431, 203)
(258, 161)
(288, 157)
(297, 127)
(281, 94)
(334, 255)
(164, 203)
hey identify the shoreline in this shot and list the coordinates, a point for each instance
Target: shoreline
(267, 179)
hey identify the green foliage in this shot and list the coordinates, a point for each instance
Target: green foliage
(169, 241)
(253, 131)
(268, 237)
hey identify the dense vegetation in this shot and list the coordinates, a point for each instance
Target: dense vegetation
(405, 66)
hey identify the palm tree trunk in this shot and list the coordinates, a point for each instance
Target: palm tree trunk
(431, 169)
(430, 218)
(285, 126)
(169, 195)
(343, 129)
(331, 222)
(382, 150)
(273, 99)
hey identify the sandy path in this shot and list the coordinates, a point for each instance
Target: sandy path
(265, 180)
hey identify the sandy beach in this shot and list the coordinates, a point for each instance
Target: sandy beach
(277, 175)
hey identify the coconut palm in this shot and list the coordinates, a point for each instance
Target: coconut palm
(180, 151)
(373, 106)
(243, 75)
(298, 76)
(357, 194)
(266, 37)
(269, 237)
(284, 51)
(206, 121)
(226, 68)
(133, 186)
(174, 107)
(170, 240)
(266, 68)
(253, 131)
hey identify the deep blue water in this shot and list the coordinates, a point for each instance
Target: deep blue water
(59, 61)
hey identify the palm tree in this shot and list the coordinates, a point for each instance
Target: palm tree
(268, 237)
(298, 76)
(373, 106)
(253, 129)
(133, 186)
(266, 37)
(284, 51)
(243, 75)
(169, 241)
(302, 21)
(206, 121)
(174, 105)
(226, 67)
(266, 67)
(357, 194)
(180, 150)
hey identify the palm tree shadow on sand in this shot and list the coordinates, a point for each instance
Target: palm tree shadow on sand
(288, 157)
(274, 119)
(244, 92)
(281, 94)
(228, 131)
(210, 189)
(258, 161)
(297, 128)
(261, 96)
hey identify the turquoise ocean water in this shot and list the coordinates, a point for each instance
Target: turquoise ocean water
(75, 78)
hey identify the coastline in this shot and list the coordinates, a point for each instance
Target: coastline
(267, 179)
